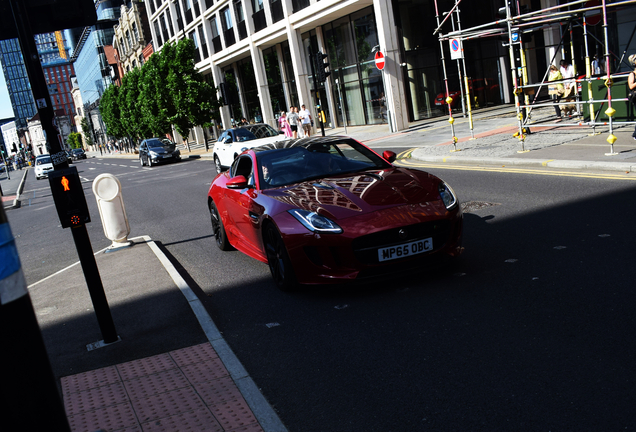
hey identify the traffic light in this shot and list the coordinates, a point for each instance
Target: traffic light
(321, 66)
(69, 197)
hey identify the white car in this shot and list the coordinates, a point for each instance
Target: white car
(235, 141)
(43, 165)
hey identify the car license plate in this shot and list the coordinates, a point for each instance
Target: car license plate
(406, 249)
(167, 156)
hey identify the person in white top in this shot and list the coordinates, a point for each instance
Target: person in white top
(567, 70)
(305, 117)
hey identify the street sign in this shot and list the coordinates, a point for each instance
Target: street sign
(379, 60)
(456, 50)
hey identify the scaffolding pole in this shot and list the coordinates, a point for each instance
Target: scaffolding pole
(529, 22)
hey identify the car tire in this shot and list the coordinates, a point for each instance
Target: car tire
(217, 165)
(278, 260)
(218, 230)
(141, 161)
(149, 162)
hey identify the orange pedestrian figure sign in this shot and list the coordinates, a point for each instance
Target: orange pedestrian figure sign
(65, 183)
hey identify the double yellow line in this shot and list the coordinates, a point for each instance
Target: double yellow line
(404, 159)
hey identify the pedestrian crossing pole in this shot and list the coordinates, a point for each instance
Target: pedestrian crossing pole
(30, 399)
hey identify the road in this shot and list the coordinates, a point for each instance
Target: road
(532, 328)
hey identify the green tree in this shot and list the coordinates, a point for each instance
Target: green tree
(74, 140)
(88, 134)
(111, 113)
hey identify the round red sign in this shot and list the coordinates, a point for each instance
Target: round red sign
(379, 60)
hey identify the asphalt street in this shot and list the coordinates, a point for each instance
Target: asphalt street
(529, 330)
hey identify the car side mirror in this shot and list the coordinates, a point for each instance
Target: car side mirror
(389, 155)
(238, 182)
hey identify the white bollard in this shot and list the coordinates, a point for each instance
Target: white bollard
(107, 190)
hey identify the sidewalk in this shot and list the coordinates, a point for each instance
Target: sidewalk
(171, 370)
(12, 187)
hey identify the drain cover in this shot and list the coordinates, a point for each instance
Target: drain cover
(472, 206)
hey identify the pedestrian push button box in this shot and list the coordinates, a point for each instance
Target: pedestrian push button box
(69, 197)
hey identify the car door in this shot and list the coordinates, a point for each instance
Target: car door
(243, 211)
(223, 151)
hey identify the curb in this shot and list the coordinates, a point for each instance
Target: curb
(263, 411)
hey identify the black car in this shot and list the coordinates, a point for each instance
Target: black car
(69, 156)
(78, 153)
(156, 150)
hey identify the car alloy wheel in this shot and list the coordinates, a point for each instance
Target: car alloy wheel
(149, 162)
(218, 229)
(217, 164)
(141, 161)
(278, 259)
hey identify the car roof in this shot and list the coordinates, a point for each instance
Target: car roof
(43, 156)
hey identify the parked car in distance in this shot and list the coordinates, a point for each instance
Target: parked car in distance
(69, 157)
(43, 165)
(153, 151)
(326, 210)
(235, 141)
(78, 153)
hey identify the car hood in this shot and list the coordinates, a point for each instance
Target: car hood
(340, 197)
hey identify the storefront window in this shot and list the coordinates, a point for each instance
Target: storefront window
(274, 81)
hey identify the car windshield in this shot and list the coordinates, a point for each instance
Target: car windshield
(155, 143)
(262, 130)
(43, 160)
(300, 163)
(243, 134)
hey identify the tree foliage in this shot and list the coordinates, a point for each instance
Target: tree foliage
(167, 91)
(87, 132)
(74, 140)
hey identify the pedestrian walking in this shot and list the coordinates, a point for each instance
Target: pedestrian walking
(556, 90)
(305, 118)
(284, 125)
(292, 119)
(631, 83)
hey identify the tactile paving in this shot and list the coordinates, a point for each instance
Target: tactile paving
(199, 420)
(233, 414)
(184, 390)
(205, 371)
(193, 354)
(113, 418)
(167, 404)
(161, 382)
(218, 391)
(146, 366)
(89, 400)
(89, 380)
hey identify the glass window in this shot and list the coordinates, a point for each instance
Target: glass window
(257, 5)
(226, 19)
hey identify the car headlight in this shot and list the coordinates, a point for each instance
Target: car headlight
(315, 222)
(153, 154)
(448, 195)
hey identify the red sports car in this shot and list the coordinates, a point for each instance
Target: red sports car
(326, 210)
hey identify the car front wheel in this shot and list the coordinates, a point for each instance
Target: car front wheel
(218, 229)
(217, 164)
(141, 161)
(278, 260)
(149, 162)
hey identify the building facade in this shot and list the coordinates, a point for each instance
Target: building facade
(132, 35)
(262, 53)
(18, 85)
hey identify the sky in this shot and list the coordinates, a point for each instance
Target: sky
(5, 103)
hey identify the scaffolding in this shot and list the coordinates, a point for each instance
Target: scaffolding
(518, 22)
